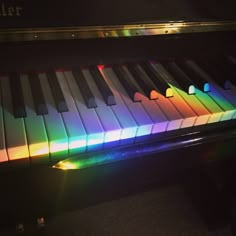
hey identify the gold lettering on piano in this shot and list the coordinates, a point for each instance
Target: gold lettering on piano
(10, 10)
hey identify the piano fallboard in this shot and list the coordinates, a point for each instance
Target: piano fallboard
(28, 14)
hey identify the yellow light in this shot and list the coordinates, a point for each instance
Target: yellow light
(18, 152)
(38, 149)
(169, 92)
(66, 165)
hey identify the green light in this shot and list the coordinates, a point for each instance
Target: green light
(191, 89)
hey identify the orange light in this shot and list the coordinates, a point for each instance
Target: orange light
(18, 152)
(153, 95)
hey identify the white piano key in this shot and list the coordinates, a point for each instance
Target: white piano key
(136, 109)
(217, 93)
(107, 117)
(91, 122)
(126, 120)
(202, 113)
(226, 106)
(72, 121)
(160, 122)
(16, 142)
(34, 126)
(165, 106)
(188, 115)
(3, 150)
(230, 94)
(57, 136)
(171, 113)
(161, 109)
(217, 113)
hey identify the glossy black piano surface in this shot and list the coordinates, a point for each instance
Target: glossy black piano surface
(164, 104)
(26, 13)
(86, 90)
(166, 157)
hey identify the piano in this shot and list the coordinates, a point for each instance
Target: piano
(105, 92)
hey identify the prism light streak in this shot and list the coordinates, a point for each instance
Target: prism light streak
(206, 87)
(38, 149)
(201, 112)
(76, 163)
(81, 144)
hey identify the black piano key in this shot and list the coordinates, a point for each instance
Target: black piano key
(181, 78)
(17, 96)
(56, 92)
(228, 68)
(196, 78)
(130, 88)
(232, 64)
(148, 89)
(106, 92)
(84, 88)
(37, 94)
(159, 82)
(216, 73)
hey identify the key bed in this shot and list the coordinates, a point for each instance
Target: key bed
(59, 121)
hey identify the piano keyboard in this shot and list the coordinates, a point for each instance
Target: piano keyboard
(57, 114)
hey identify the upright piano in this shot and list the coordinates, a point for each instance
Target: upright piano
(101, 99)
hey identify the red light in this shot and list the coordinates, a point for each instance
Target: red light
(100, 67)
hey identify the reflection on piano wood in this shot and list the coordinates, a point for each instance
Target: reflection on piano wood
(54, 115)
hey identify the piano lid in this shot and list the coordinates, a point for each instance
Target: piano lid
(67, 13)
(57, 19)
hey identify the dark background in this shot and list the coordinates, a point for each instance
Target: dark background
(189, 191)
(43, 13)
(133, 198)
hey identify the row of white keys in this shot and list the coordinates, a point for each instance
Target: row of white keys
(164, 104)
(224, 98)
(186, 112)
(3, 150)
(142, 119)
(230, 94)
(126, 121)
(160, 122)
(202, 113)
(15, 136)
(34, 126)
(108, 119)
(91, 122)
(176, 120)
(57, 136)
(214, 110)
(184, 100)
(77, 136)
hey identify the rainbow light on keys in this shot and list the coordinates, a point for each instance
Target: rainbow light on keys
(81, 144)
(89, 160)
(38, 149)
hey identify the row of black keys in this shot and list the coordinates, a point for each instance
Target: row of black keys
(219, 69)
